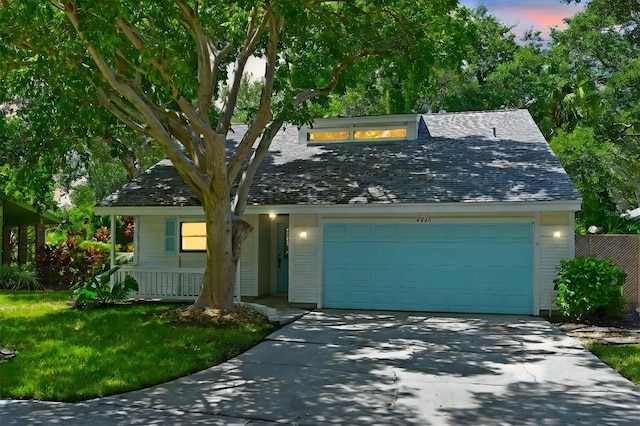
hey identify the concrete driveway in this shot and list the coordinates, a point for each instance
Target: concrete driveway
(379, 368)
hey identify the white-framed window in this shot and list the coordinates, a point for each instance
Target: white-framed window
(193, 237)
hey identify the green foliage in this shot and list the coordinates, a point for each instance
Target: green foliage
(69, 262)
(589, 286)
(90, 245)
(98, 290)
(19, 277)
(74, 220)
(602, 187)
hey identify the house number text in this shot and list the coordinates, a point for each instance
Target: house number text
(423, 219)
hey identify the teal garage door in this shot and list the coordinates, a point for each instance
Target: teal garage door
(470, 267)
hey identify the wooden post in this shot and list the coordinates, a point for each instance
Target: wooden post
(112, 237)
(22, 244)
(6, 245)
(40, 238)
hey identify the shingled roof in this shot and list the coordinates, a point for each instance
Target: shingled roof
(458, 157)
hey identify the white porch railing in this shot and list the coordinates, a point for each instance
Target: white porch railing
(165, 283)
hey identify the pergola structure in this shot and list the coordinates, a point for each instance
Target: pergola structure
(16, 214)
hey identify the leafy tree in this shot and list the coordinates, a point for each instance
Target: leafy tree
(476, 42)
(601, 45)
(62, 137)
(248, 99)
(592, 165)
(157, 67)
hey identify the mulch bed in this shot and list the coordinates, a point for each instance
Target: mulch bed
(216, 317)
(602, 330)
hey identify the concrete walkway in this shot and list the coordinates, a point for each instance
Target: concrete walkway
(333, 367)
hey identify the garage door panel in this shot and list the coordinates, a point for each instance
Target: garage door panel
(450, 267)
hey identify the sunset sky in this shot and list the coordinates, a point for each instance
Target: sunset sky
(540, 14)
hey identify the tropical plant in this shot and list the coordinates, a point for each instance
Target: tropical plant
(19, 277)
(589, 286)
(98, 290)
(71, 260)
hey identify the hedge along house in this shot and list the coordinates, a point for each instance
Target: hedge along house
(453, 212)
(15, 219)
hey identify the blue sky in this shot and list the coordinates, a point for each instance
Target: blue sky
(540, 14)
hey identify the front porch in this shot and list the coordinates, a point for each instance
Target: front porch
(168, 262)
(167, 284)
(183, 284)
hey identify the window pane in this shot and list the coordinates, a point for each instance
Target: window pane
(380, 134)
(328, 136)
(194, 243)
(193, 236)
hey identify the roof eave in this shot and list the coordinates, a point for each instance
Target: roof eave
(459, 207)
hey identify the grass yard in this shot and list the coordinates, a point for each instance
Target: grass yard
(623, 358)
(65, 354)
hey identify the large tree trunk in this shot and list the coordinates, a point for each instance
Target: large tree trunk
(225, 237)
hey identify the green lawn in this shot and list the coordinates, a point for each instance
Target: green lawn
(65, 354)
(623, 358)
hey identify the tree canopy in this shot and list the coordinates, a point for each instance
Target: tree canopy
(159, 68)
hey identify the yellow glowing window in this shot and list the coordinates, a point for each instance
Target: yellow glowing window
(328, 136)
(380, 134)
(193, 236)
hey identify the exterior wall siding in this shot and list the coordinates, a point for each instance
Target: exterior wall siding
(151, 229)
(304, 273)
(249, 260)
(552, 251)
(263, 234)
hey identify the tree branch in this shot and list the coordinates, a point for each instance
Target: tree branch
(155, 126)
(251, 41)
(138, 43)
(209, 57)
(242, 193)
(315, 92)
(263, 115)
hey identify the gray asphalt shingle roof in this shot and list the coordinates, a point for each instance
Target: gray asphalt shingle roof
(456, 158)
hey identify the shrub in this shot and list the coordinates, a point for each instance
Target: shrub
(103, 234)
(71, 261)
(94, 246)
(98, 290)
(588, 286)
(19, 277)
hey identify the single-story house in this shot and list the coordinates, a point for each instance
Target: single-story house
(452, 212)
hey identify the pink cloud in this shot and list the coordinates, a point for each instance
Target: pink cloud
(540, 14)
(542, 18)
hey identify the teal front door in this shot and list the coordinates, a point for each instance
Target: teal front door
(283, 257)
